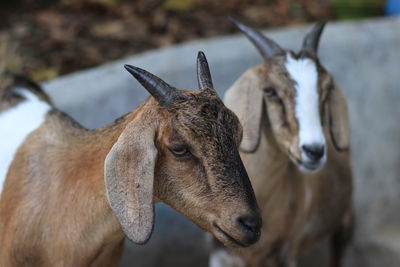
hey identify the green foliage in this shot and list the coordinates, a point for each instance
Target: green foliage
(353, 9)
(180, 5)
(10, 59)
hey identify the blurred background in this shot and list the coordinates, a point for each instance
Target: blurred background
(63, 36)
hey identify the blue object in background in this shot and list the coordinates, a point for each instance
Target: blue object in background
(392, 7)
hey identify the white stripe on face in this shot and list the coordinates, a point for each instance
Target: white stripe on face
(304, 73)
(16, 124)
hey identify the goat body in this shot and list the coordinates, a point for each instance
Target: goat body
(296, 150)
(71, 195)
(58, 214)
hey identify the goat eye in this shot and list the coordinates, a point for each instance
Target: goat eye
(271, 93)
(179, 150)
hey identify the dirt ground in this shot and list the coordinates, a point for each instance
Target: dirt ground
(59, 37)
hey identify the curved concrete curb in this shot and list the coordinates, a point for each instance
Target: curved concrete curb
(364, 58)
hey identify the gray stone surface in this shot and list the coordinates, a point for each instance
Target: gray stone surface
(364, 58)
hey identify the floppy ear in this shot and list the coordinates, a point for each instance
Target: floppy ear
(245, 99)
(338, 119)
(129, 177)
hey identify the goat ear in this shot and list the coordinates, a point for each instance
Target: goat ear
(245, 99)
(338, 119)
(129, 177)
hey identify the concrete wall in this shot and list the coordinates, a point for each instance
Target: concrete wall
(364, 58)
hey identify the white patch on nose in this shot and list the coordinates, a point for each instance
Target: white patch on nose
(221, 258)
(16, 124)
(304, 73)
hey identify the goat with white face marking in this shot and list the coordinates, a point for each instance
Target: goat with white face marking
(295, 149)
(71, 193)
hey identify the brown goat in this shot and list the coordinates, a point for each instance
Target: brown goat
(71, 194)
(296, 151)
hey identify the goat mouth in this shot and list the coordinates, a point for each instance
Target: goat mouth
(229, 237)
(310, 167)
(307, 166)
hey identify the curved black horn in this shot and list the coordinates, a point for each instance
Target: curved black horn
(311, 40)
(266, 46)
(203, 72)
(160, 90)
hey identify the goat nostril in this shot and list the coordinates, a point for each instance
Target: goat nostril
(250, 223)
(315, 152)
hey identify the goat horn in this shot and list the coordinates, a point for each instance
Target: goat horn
(266, 46)
(203, 72)
(311, 40)
(160, 90)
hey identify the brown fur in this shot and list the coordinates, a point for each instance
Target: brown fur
(298, 209)
(55, 206)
